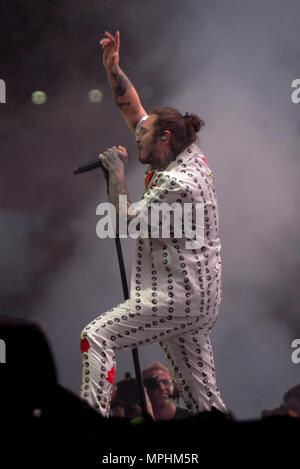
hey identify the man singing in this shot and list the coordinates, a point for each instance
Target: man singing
(175, 289)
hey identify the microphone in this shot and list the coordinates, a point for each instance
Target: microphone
(83, 168)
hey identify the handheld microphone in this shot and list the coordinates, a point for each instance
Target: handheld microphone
(83, 168)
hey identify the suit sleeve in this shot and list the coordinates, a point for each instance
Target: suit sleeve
(164, 189)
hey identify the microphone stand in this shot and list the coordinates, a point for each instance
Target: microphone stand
(135, 355)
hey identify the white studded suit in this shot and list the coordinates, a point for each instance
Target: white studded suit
(174, 299)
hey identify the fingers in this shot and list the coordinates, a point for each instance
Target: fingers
(110, 39)
(122, 149)
(119, 147)
(103, 156)
(102, 159)
(105, 43)
(110, 36)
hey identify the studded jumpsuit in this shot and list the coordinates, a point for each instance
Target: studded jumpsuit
(174, 299)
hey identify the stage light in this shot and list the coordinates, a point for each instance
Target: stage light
(39, 97)
(95, 96)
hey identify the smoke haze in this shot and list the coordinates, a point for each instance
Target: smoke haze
(232, 63)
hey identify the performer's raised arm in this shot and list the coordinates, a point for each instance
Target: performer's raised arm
(124, 92)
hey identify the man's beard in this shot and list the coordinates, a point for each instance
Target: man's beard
(150, 158)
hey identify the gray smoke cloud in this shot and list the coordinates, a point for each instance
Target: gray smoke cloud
(252, 141)
(232, 63)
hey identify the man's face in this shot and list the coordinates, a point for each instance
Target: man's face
(149, 148)
(160, 395)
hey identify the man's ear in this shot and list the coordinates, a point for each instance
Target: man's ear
(166, 137)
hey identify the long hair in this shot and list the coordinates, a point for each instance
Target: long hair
(183, 128)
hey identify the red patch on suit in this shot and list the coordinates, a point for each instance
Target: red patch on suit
(148, 178)
(84, 345)
(111, 375)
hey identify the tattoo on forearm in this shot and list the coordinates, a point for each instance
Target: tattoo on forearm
(117, 186)
(121, 83)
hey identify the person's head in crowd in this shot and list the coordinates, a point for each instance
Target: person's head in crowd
(161, 390)
(125, 402)
(289, 407)
(292, 400)
(117, 407)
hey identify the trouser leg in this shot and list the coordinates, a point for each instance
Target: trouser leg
(120, 329)
(190, 359)
(99, 361)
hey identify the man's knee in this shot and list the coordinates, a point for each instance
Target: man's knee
(89, 335)
(85, 341)
(93, 333)
(87, 331)
(83, 334)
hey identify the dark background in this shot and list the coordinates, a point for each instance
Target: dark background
(230, 62)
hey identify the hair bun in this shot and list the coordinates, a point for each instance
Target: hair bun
(194, 121)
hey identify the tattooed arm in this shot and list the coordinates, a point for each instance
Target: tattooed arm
(124, 92)
(114, 160)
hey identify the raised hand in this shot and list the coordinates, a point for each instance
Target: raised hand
(124, 93)
(110, 46)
